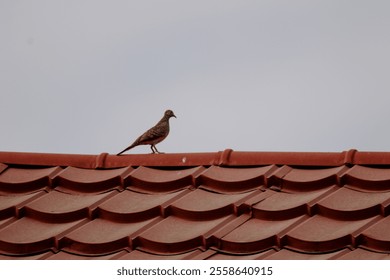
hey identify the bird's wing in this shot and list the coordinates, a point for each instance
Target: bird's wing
(153, 134)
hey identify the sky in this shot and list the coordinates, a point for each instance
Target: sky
(87, 77)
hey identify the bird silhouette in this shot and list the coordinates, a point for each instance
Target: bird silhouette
(154, 135)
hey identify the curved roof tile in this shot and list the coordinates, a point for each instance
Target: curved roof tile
(223, 205)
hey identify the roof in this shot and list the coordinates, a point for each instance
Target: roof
(223, 205)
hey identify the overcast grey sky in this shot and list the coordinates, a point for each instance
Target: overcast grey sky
(90, 76)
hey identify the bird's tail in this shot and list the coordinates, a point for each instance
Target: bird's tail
(128, 148)
(118, 154)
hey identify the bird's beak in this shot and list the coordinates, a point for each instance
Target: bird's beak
(174, 116)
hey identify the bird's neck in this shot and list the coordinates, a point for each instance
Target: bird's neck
(164, 119)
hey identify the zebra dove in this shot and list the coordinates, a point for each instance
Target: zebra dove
(154, 135)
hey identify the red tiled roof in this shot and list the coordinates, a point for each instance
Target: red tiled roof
(224, 205)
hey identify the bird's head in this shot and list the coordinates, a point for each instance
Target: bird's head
(169, 114)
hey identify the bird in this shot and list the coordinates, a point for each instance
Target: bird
(154, 135)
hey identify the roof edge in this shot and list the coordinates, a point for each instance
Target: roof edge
(228, 157)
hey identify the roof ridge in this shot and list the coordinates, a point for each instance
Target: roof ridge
(228, 157)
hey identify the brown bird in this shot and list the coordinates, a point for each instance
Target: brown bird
(154, 135)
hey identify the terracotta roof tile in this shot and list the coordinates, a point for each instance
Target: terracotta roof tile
(322, 234)
(23, 180)
(361, 254)
(368, 174)
(293, 255)
(3, 167)
(282, 205)
(176, 235)
(10, 206)
(62, 255)
(131, 206)
(377, 237)
(306, 179)
(57, 206)
(248, 238)
(224, 205)
(154, 180)
(6, 221)
(350, 204)
(225, 256)
(90, 180)
(368, 178)
(28, 236)
(234, 179)
(203, 204)
(101, 236)
(139, 255)
(42, 256)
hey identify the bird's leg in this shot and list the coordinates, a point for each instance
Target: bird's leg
(155, 150)
(152, 146)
